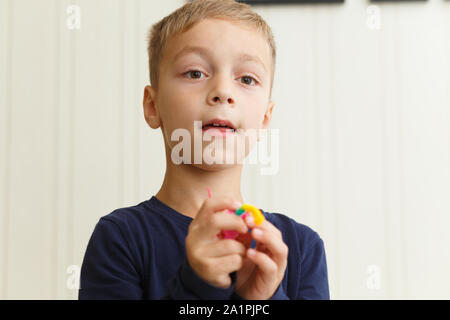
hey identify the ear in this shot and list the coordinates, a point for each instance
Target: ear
(268, 115)
(267, 118)
(151, 112)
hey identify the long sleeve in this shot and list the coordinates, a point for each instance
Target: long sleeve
(138, 252)
(314, 275)
(108, 270)
(279, 294)
(186, 284)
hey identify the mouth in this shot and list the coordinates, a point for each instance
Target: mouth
(219, 124)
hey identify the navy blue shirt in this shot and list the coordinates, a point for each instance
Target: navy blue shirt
(138, 252)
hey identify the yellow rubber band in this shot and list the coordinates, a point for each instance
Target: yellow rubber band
(255, 212)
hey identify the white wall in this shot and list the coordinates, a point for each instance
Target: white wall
(364, 119)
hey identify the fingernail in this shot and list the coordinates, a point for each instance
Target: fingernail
(251, 252)
(250, 220)
(237, 204)
(257, 232)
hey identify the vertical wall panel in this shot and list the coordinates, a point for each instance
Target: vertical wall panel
(392, 163)
(437, 124)
(424, 119)
(31, 248)
(358, 117)
(5, 129)
(329, 152)
(65, 144)
(96, 119)
(132, 114)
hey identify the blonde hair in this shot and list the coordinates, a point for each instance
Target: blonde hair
(193, 12)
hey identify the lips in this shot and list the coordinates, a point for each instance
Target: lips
(220, 124)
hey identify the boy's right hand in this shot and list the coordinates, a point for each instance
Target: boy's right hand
(213, 259)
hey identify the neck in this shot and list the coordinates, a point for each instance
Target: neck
(185, 187)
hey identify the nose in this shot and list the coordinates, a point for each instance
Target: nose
(221, 92)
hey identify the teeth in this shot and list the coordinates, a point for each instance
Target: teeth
(219, 125)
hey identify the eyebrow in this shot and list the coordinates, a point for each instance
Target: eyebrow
(243, 57)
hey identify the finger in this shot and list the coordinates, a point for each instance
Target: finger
(224, 248)
(223, 281)
(228, 264)
(263, 261)
(272, 243)
(224, 221)
(211, 206)
(265, 225)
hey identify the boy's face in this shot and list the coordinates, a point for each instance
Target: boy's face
(226, 75)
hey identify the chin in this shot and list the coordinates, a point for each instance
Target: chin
(215, 166)
(217, 159)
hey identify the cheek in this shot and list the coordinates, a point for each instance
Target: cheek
(177, 112)
(178, 107)
(253, 115)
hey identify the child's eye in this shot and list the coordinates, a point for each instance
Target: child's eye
(194, 73)
(249, 80)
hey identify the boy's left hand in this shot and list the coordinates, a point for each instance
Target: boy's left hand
(263, 268)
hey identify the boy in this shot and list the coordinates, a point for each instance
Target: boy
(210, 61)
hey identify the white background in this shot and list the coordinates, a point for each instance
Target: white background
(363, 113)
